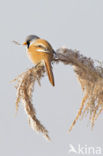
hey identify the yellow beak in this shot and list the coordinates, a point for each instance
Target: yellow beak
(24, 43)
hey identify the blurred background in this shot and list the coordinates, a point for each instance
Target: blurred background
(73, 24)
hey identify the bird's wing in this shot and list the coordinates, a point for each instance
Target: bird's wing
(43, 46)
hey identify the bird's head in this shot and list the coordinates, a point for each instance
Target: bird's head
(30, 39)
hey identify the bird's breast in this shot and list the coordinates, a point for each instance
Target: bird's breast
(35, 57)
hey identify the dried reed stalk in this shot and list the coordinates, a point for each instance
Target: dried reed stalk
(89, 76)
(25, 86)
(91, 80)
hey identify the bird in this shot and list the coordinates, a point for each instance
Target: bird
(40, 51)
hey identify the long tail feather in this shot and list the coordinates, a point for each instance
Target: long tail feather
(49, 71)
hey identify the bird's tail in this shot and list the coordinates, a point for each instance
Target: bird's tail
(49, 71)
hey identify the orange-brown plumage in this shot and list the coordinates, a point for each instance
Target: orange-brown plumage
(41, 51)
(49, 70)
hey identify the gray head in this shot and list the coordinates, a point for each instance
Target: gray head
(29, 39)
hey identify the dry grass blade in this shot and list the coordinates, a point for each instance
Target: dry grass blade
(17, 43)
(91, 80)
(25, 85)
(79, 112)
(89, 76)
